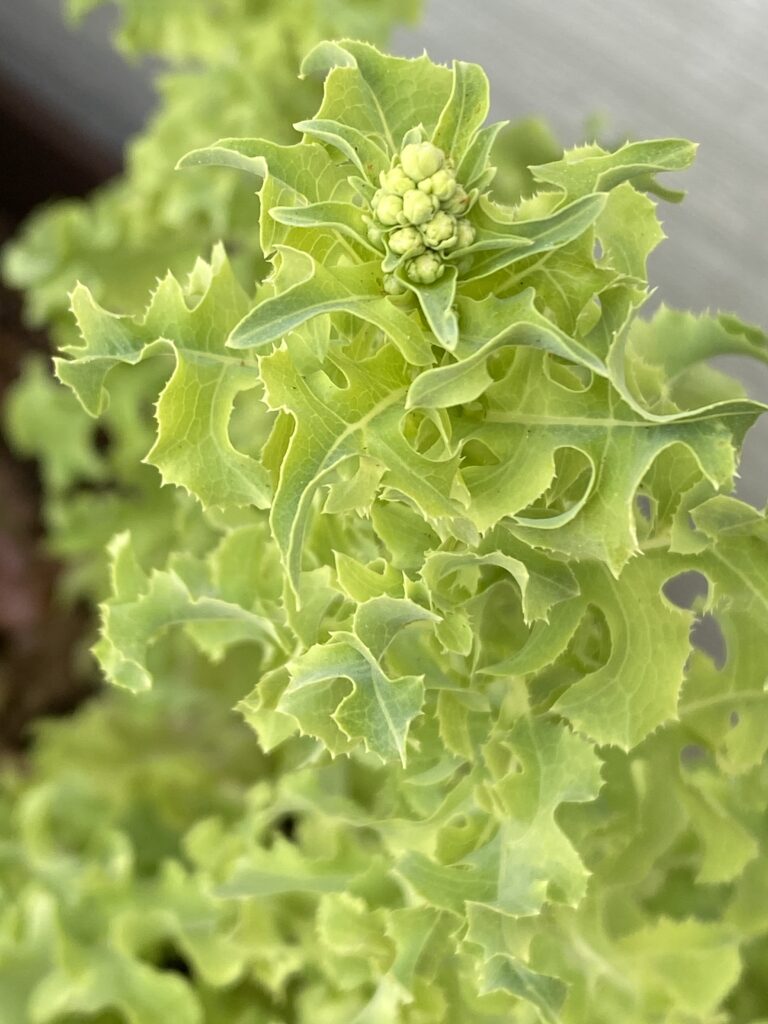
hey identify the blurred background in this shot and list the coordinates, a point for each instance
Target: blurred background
(691, 68)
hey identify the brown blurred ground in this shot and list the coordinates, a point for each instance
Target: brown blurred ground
(38, 632)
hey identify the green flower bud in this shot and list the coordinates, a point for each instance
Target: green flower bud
(421, 160)
(389, 210)
(396, 181)
(417, 206)
(425, 269)
(458, 202)
(465, 233)
(392, 286)
(406, 242)
(442, 184)
(441, 228)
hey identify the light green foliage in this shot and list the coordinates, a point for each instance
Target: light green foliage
(426, 543)
(231, 69)
(243, 57)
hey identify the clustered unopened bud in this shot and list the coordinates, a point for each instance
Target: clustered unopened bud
(418, 214)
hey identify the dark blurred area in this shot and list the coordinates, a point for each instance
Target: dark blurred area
(40, 159)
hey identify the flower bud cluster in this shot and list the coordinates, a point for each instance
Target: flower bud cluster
(418, 215)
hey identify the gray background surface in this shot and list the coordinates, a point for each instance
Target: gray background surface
(692, 68)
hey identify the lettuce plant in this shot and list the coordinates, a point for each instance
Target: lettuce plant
(444, 477)
(230, 68)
